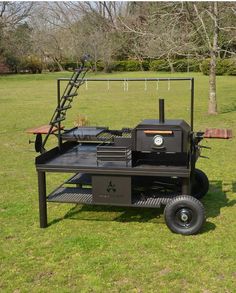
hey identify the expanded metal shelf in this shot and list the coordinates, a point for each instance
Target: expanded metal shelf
(71, 195)
(84, 196)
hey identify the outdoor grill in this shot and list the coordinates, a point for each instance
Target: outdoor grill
(150, 165)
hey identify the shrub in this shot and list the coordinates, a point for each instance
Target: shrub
(119, 66)
(32, 64)
(159, 65)
(52, 67)
(100, 66)
(70, 65)
(13, 63)
(231, 66)
(223, 67)
(128, 65)
(132, 65)
(183, 65)
(145, 65)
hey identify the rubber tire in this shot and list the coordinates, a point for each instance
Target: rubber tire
(200, 184)
(181, 202)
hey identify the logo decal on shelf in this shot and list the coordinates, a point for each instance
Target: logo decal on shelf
(111, 187)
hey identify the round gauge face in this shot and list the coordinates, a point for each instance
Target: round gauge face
(158, 140)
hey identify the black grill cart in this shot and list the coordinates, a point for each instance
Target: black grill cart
(151, 165)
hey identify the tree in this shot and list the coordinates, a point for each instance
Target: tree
(14, 30)
(209, 21)
(204, 29)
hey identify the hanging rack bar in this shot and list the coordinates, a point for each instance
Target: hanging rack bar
(191, 79)
(134, 79)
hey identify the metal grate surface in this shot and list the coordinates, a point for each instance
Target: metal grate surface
(151, 201)
(84, 196)
(71, 195)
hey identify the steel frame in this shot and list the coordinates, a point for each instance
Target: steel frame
(42, 166)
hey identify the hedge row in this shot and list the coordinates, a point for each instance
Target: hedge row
(30, 64)
(223, 67)
(181, 65)
(34, 65)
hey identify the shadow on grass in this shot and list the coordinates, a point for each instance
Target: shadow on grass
(216, 199)
(213, 202)
(111, 213)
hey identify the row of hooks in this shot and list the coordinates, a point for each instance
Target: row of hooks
(126, 85)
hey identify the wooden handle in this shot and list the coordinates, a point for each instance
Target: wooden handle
(158, 131)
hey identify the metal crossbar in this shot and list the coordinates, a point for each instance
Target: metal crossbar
(78, 78)
(191, 79)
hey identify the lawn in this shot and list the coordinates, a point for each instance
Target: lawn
(106, 249)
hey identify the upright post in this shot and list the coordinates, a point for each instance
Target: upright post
(59, 116)
(42, 199)
(161, 111)
(186, 186)
(192, 102)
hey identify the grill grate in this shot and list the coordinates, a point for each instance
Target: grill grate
(71, 195)
(84, 196)
(151, 201)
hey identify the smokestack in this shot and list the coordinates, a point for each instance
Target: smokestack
(161, 111)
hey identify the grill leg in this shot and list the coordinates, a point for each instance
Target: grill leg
(186, 186)
(42, 199)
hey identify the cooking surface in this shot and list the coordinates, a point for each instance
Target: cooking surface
(82, 158)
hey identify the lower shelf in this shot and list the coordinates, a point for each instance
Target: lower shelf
(71, 195)
(84, 196)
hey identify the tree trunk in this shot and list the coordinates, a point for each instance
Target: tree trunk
(212, 105)
(58, 64)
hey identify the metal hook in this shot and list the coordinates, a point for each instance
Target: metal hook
(126, 85)
(168, 84)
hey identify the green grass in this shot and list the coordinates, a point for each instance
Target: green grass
(106, 249)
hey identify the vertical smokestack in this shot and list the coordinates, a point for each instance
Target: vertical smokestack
(161, 111)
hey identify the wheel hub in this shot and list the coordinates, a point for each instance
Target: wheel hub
(184, 216)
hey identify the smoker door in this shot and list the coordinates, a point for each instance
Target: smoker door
(171, 142)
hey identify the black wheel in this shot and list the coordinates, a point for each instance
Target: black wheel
(184, 215)
(200, 184)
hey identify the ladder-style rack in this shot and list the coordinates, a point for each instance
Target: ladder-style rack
(64, 102)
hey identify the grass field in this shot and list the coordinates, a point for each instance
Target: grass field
(98, 249)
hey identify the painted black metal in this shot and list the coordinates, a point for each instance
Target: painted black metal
(176, 146)
(111, 189)
(42, 199)
(150, 79)
(64, 101)
(80, 179)
(112, 153)
(84, 196)
(82, 158)
(38, 142)
(161, 111)
(111, 166)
